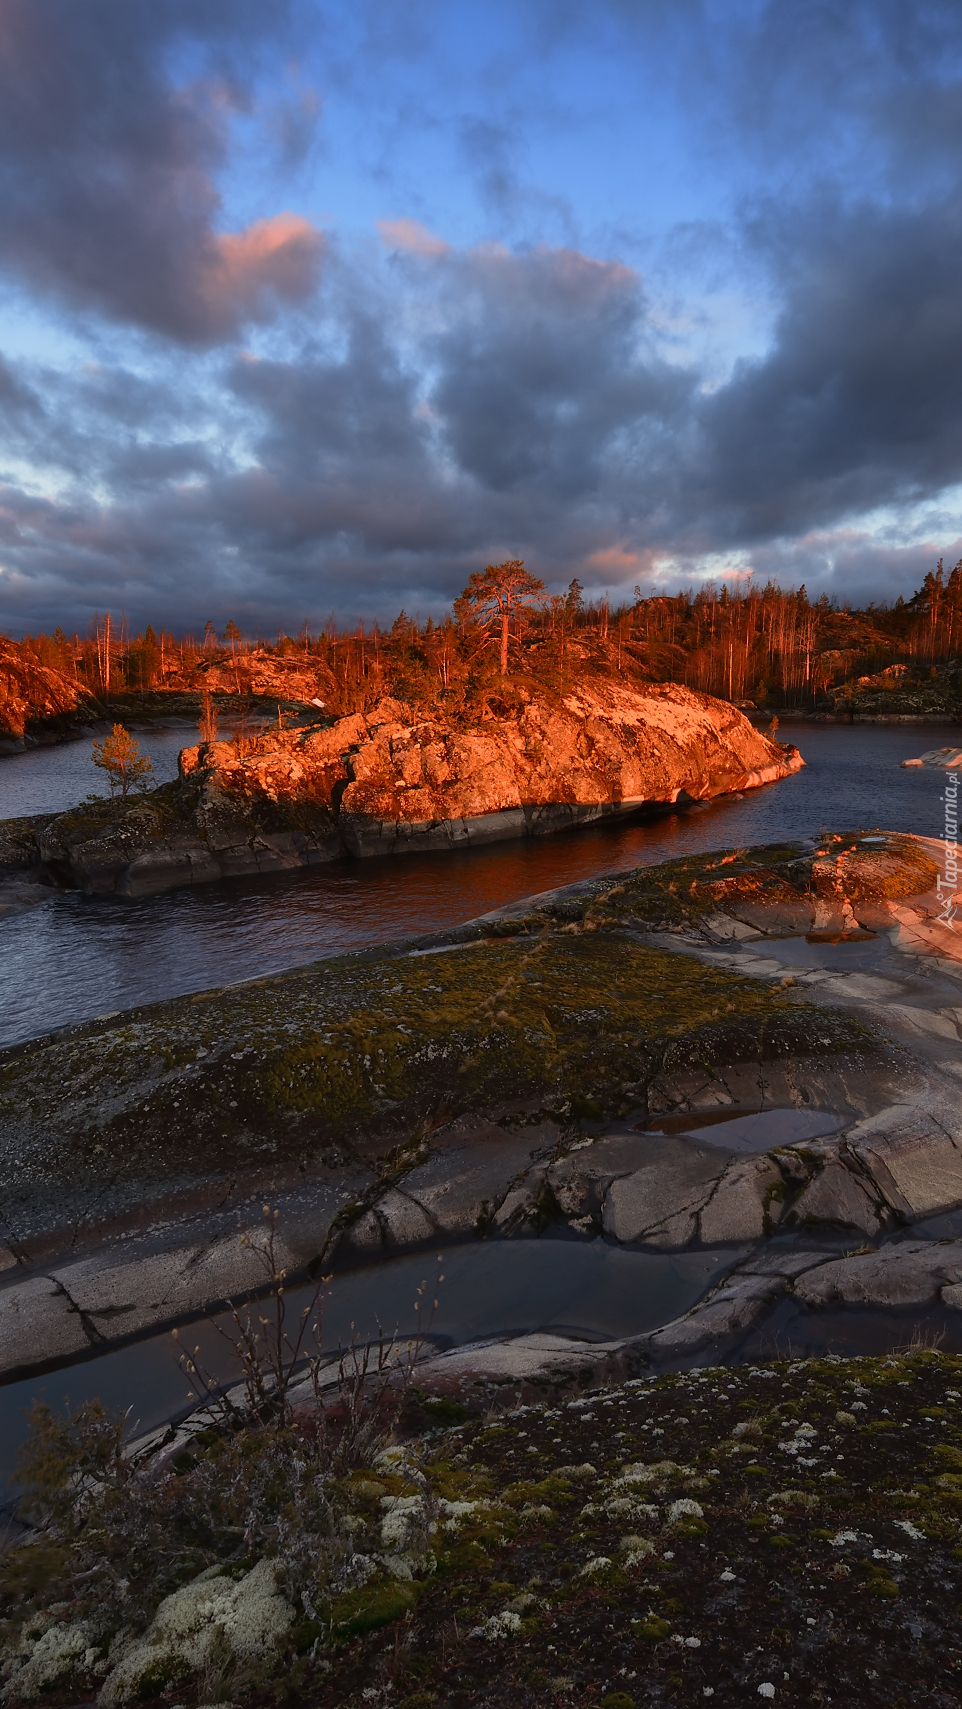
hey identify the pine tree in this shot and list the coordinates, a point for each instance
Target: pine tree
(492, 595)
(120, 757)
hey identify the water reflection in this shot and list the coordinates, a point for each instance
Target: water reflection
(46, 780)
(756, 1132)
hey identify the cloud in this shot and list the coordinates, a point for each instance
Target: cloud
(412, 237)
(274, 258)
(488, 403)
(421, 407)
(109, 161)
(857, 403)
(547, 373)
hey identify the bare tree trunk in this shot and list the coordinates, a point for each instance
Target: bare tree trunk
(505, 620)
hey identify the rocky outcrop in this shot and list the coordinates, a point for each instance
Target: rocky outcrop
(612, 1061)
(939, 759)
(33, 694)
(257, 672)
(398, 783)
(387, 782)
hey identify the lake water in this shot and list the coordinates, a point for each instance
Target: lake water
(46, 780)
(77, 957)
(590, 1290)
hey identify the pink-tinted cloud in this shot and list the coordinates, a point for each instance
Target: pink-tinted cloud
(273, 258)
(411, 236)
(110, 164)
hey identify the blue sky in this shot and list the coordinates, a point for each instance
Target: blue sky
(316, 307)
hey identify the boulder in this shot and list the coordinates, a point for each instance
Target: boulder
(745, 1205)
(940, 759)
(908, 1274)
(679, 1191)
(735, 1308)
(837, 1196)
(913, 1156)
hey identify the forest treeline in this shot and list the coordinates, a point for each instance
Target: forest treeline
(741, 642)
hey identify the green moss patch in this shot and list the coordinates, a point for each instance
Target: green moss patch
(574, 1567)
(844, 1582)
(380, 1050)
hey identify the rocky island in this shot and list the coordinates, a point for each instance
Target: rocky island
(392, 781)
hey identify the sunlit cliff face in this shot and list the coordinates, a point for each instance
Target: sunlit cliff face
(315, 307)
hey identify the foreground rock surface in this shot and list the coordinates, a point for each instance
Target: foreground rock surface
(389, 782)
(560, 1068)
(786, 1530)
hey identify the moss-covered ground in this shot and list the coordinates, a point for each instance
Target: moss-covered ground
(692, 1537)
(787, 1531)
(566, 1012)
(374, 1051)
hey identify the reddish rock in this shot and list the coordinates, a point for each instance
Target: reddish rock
(385, 782)
(31, 693)
(396, 783)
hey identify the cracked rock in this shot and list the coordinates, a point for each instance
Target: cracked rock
(835, 1195)
(910, 1274)
(914, 1157)
(735, 1308)
(37, 1312)
(659, 1203)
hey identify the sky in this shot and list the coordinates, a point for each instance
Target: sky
(315, 307)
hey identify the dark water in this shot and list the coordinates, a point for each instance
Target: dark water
(593, 1291)
(75, 957)
(46, 780)
(754, 1133)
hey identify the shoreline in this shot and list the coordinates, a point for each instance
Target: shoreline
(365, 1197)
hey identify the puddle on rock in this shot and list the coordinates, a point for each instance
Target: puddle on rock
(835, 953)
(760, 1131)
(590, 1291)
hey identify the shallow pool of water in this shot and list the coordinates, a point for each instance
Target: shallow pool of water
(76, 957)
(589, 1290)
(855, 956)
(759, 1131)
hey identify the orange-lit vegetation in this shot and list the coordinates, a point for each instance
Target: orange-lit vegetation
(740, 642)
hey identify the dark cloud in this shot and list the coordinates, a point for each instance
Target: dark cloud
(531, 414)
(108, 164)
(16, 398)
(549, 373)
(857, 404)
(426, 411)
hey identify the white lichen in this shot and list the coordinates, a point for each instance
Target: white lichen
(248, 1615)
(503, 1625)
(59, 1655)
(684, 1509)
